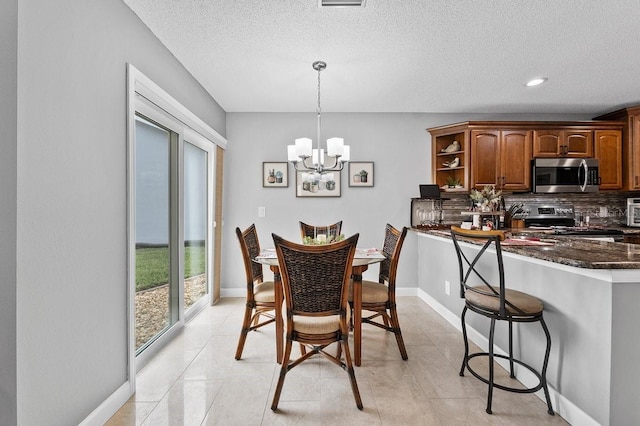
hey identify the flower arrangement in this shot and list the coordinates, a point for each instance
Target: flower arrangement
(320, 241)
(487, 199)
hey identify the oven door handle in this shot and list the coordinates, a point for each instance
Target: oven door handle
(583, 166)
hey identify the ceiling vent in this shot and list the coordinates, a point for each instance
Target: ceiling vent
(341, 3)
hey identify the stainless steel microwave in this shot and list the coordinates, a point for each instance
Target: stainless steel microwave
(551, 175)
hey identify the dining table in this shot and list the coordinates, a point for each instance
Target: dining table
(361, 261)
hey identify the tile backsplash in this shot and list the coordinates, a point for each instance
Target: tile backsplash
(592, 205)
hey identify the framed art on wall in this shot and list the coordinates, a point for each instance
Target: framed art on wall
(275, 174)
(317, 185)
(361, 173)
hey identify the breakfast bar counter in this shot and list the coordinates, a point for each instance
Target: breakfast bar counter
(591, 293)
(571, 251)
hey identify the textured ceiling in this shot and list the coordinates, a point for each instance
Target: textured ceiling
(406, 55)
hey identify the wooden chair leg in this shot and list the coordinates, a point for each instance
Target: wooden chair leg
(352, 375)
(395, 323)
(246, 323)
(283, 372)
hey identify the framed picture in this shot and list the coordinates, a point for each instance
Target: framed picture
(275, 174)
(361, 173)
(316, 185)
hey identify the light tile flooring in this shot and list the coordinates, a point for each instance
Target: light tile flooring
(195, 380)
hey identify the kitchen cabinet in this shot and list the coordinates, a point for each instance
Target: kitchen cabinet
(499, 152)
(562, 143)
(630, 145)
(446, 170)
(608, 151)
(501, 158)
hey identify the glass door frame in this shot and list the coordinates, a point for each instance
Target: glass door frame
(195, 139)
(149, 100)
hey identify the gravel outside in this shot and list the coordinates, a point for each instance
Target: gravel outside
(152, 306)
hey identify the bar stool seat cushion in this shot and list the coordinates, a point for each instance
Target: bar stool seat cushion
(263, 292)
(516, 302)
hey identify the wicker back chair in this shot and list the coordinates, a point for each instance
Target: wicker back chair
(315, 282)
(491, 299)
(380, 297)
(260, 294)
(311, 231)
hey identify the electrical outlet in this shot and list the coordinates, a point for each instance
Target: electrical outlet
(604, 212)
(262, 211)
(447, 288)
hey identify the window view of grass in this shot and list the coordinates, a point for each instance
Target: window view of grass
(152, 265)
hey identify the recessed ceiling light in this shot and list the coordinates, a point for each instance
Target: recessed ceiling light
(536, 81)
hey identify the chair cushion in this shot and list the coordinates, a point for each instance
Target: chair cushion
(318, 325)
(372, 292)
(527, 304)
(263, 292)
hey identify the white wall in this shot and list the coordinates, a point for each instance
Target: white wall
(71, 172)
(399, 146)
(8, 176)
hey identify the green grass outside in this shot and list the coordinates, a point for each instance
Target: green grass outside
(152, 265)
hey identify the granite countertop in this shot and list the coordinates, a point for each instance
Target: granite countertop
(577, 252)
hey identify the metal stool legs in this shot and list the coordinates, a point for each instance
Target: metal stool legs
(542, 376)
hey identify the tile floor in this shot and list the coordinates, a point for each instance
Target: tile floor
(195, 380)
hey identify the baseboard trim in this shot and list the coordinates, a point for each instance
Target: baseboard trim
(109, 406)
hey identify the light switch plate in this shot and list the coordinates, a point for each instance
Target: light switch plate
(262, 211)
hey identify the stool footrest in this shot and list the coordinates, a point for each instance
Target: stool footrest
(499, 386)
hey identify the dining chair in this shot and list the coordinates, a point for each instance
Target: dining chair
(483, 287)
(312, 231)
(380, 297)
(315, 281)
(260, 294)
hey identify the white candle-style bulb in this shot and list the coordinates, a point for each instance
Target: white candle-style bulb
(335, 146)
(346, 153)
(292, 153)
(303, 147)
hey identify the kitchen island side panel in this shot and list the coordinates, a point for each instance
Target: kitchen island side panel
(625, 368)
(578, 311)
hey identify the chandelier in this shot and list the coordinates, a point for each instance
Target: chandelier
(306, 159)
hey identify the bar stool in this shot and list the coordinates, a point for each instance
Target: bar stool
(496, 303)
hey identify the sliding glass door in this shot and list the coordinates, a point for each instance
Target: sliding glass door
(197, 224)
(173, 225)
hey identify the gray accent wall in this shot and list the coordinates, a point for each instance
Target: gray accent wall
(397, 143)
(67, 168)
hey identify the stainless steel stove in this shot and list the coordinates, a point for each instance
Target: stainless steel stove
(560, 219)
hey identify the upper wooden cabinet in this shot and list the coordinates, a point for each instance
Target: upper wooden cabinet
(562, 143)
(630, 145)
(501, 158)
(499, 152)
(449, 164)
(608, 150)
